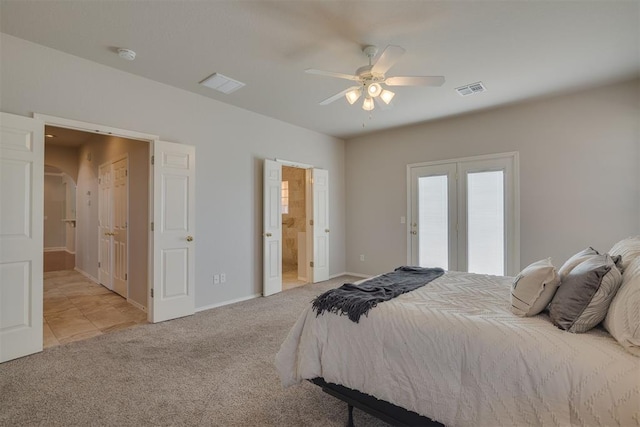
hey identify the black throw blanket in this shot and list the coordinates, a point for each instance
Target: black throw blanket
(356, 300)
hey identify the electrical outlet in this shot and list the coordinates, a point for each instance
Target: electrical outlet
(216, 279)
(361, 257)
(223, 278)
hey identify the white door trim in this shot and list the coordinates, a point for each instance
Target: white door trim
(124, 133)
(94, 128)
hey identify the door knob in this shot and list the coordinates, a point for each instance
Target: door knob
(189, 238)
(268, 234)
(326, 230)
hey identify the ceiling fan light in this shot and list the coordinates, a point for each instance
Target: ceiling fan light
(352, 96)
(368, 104)
(387, 96)
(374, 89)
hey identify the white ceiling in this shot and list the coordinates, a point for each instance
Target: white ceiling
(519, 49)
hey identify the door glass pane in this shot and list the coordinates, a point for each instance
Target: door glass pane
(485, 216)
(433, 222)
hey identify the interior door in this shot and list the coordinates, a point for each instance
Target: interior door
(21, 235)
(120, 226)
(272, 229)
(173, 234)
(105, 215)
(320, 226)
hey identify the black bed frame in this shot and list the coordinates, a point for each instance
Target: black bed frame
(385, 411)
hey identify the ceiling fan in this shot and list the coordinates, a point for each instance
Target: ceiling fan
(371, 78)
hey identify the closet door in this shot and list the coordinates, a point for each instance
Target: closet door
(120, 215)
(105, 213)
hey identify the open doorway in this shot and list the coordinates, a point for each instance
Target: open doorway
(96, 234)
(313, 257)
(294, 227)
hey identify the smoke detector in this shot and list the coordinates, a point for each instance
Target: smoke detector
(127, 54)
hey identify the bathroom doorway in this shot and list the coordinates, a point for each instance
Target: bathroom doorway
(294, 227)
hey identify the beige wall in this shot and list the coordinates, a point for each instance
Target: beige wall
(54, 206)
(230, 142)
(293, 222)
(579, 181)
(94, 153)
(64, 158)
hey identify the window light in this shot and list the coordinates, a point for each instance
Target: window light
(285, 197)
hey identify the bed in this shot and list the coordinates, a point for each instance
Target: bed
(453, 352)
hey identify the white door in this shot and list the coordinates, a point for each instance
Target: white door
(320, 225)
(119, 229)
(105, 215)
(487, 216)
(463, 214)
(173, 232)
(272, 229)
(21, 235)
(433, 215)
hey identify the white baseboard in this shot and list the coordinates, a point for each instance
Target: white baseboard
(221, 304)
(137, 305)
(347, 273)
(87, 275)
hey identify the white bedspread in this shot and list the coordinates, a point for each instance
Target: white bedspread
(453, 351)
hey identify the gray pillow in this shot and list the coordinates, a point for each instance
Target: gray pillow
(583, 298)
(575, 260)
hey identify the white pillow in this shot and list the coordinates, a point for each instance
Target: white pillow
(533, 288)
(623, 317)
(576, 259)
(628, 249)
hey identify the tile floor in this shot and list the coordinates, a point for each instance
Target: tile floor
(75, 308)
(290, 279)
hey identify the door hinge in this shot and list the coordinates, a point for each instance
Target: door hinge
(98, 265)
(151, 292)
(153, 159)
(125, 276)
(152, 226)
(126, 173)
(311, 264)
(310, 222)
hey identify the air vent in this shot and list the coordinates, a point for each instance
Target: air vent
(222, 83)
(470, 89)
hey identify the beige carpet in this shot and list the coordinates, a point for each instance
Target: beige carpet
(211, 369)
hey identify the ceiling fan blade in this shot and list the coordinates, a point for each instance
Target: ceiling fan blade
(337, 95)
(387, 59)
(332, 74)
(415, 81)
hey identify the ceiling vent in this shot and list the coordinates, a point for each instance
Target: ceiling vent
(471, 89)
(222, 83)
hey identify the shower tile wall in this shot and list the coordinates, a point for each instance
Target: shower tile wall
(295, 220)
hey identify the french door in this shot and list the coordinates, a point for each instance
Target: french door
(463, 214)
